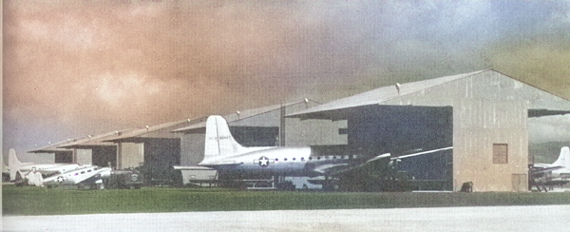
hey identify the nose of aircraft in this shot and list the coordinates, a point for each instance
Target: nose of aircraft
(105, 172)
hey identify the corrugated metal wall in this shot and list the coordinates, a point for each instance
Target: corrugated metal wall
(477, 125)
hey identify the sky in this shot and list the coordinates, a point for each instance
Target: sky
(75, 68)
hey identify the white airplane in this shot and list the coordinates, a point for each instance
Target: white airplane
(57, 173)
(555, 173)
(18, 169)
(5, 172)
(84, 175)
(226, 155)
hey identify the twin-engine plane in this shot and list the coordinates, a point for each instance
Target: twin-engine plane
(54, 174)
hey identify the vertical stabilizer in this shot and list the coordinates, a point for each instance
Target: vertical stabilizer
(13, 163)
(5, 169)
(564, 158)
(219, 140)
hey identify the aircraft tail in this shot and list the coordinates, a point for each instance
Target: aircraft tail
(219, 140)
(13, 163)
(5, 169)
(564, 158)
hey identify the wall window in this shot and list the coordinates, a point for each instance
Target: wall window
(500, 153)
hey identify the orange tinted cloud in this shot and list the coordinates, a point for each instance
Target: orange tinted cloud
(73, 68)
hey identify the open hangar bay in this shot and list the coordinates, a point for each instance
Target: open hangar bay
(483, 115)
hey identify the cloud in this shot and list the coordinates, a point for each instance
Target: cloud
(549, 129)
(85, 67)
(117, 91)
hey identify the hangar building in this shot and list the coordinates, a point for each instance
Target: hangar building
(483, 115)
(161, 146)
(92, 150)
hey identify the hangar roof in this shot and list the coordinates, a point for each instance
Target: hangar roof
(108, 139)
(86, 142)
(157, 131)
(92, 141)
(443, 91)
(240, 115)
(52, 148)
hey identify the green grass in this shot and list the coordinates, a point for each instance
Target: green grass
(40, 201)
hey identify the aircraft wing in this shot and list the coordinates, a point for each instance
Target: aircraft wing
(422, 153)
(49, 173)
(370, 162)
(540, 170)
(329, 168)
(192, 168)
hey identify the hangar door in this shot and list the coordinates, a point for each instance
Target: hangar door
(401, 130)
(519, 182)
(160, 154)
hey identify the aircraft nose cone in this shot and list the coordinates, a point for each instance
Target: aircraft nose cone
(106, 173)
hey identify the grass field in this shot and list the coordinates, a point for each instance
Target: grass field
(40, 201)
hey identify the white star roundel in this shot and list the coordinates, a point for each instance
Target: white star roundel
(263, 161)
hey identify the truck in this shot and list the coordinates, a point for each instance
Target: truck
(125, 179)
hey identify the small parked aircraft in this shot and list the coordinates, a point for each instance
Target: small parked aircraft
(19, 169)
(557, 173)
(54, 174)
(84, 175)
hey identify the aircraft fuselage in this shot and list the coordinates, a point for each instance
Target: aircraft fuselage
(289, 161)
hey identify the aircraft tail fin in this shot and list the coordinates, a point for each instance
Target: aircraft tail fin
(564, 158)
(13, 163)
(4, 167)
(219, 140)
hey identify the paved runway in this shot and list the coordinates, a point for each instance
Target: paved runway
(498, 218)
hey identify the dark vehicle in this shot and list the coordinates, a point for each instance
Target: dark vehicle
(125, 179)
